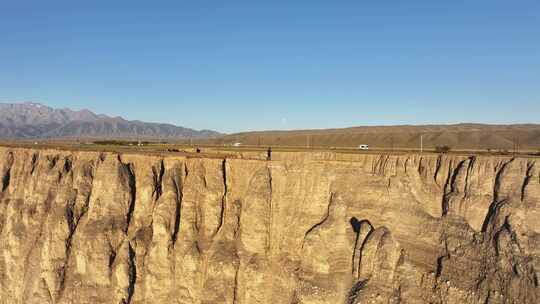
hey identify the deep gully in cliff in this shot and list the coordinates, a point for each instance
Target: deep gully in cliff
(33, 163)
(497, 203)
(132, 274)
(73, 222)
(128, 173)
(528, 177)
(178, 184)
(438, 165)
(450, 185)
(157, 176)
(357, 252)
(6, 178)
(132, 187)
(224, 197)
(321, 222)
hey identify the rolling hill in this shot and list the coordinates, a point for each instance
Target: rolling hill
(466, 136)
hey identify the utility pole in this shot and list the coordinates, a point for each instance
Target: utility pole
(516, 146)
(421, 143)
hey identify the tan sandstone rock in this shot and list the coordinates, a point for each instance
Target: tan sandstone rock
(310, 228)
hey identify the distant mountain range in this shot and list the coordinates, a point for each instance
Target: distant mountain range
(35, 120)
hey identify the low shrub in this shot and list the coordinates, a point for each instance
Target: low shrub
(442, 149)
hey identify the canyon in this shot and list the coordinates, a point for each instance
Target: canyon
(303, 227)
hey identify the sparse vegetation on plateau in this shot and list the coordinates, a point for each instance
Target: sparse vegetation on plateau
(443, 149)
(120, 142)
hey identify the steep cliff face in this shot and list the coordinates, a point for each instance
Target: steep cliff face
(89, 227)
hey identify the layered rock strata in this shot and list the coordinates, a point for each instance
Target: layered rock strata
(91, 227)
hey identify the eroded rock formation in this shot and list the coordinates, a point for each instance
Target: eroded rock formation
(90, 227)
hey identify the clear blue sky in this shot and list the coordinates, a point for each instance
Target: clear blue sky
(251, 65)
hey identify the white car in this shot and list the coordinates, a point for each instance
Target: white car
(237, 144)
(363, 147)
